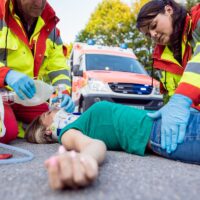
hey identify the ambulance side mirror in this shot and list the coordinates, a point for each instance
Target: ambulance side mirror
(76, 70)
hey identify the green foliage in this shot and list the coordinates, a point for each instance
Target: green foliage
(109, 24)
(191, 3)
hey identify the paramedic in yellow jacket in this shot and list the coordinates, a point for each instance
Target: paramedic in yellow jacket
(31, 47)
(176, 33)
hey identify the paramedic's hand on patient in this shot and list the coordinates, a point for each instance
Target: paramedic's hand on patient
(21, 84)
(69, 169)
(175, 115)
(66, 102)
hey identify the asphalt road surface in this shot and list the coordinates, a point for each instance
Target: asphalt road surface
(122, 177)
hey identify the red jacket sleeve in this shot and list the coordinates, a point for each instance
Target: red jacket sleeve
(3, 73)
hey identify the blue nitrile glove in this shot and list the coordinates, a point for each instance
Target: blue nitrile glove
(66, 102)
(175, 115)
(21, 84)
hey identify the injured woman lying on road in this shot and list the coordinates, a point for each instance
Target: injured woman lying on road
(115, 127)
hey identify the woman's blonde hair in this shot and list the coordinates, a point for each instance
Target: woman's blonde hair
(36, 132)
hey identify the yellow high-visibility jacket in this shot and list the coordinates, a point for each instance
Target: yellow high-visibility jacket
(41, 56)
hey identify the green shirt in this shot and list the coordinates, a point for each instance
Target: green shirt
(120, 127)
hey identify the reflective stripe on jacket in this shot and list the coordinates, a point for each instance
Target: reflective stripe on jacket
(189, 72)
(40, 56)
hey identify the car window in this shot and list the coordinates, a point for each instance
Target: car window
(113, 63)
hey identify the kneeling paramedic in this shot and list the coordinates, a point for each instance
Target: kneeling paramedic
(31, 47)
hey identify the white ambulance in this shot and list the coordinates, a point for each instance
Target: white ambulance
(113, 74)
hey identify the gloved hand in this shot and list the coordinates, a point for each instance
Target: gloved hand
(21, 84)
(175, 115)
(66, 102)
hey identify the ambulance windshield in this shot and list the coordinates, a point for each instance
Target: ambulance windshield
(113, 63)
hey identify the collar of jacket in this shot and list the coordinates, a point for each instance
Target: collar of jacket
(195, 15)
(2, 9)
(186, 36)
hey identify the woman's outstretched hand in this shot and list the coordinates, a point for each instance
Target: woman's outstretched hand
(69, 169)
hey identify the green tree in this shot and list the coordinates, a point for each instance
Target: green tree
(109, 24)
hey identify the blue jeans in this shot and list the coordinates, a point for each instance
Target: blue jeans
(189, 150)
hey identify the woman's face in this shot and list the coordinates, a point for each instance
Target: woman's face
(47, 117)
(160, 28)
(42, 137)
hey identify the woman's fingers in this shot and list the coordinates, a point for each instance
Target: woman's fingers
(79, 173)
(66, 171)
(53, 169)
(70, 169)
(91, 168)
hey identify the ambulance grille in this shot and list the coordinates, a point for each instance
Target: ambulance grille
(130, 88)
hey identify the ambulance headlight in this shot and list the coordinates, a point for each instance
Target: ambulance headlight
(98, 86)
(157, 90)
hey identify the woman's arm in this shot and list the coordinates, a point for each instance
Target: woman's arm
(76, 164)
(75, 140)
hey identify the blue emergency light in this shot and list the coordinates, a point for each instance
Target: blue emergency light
(123, 46)
(91, 42)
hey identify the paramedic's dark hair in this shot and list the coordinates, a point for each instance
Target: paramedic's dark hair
(151, 9)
